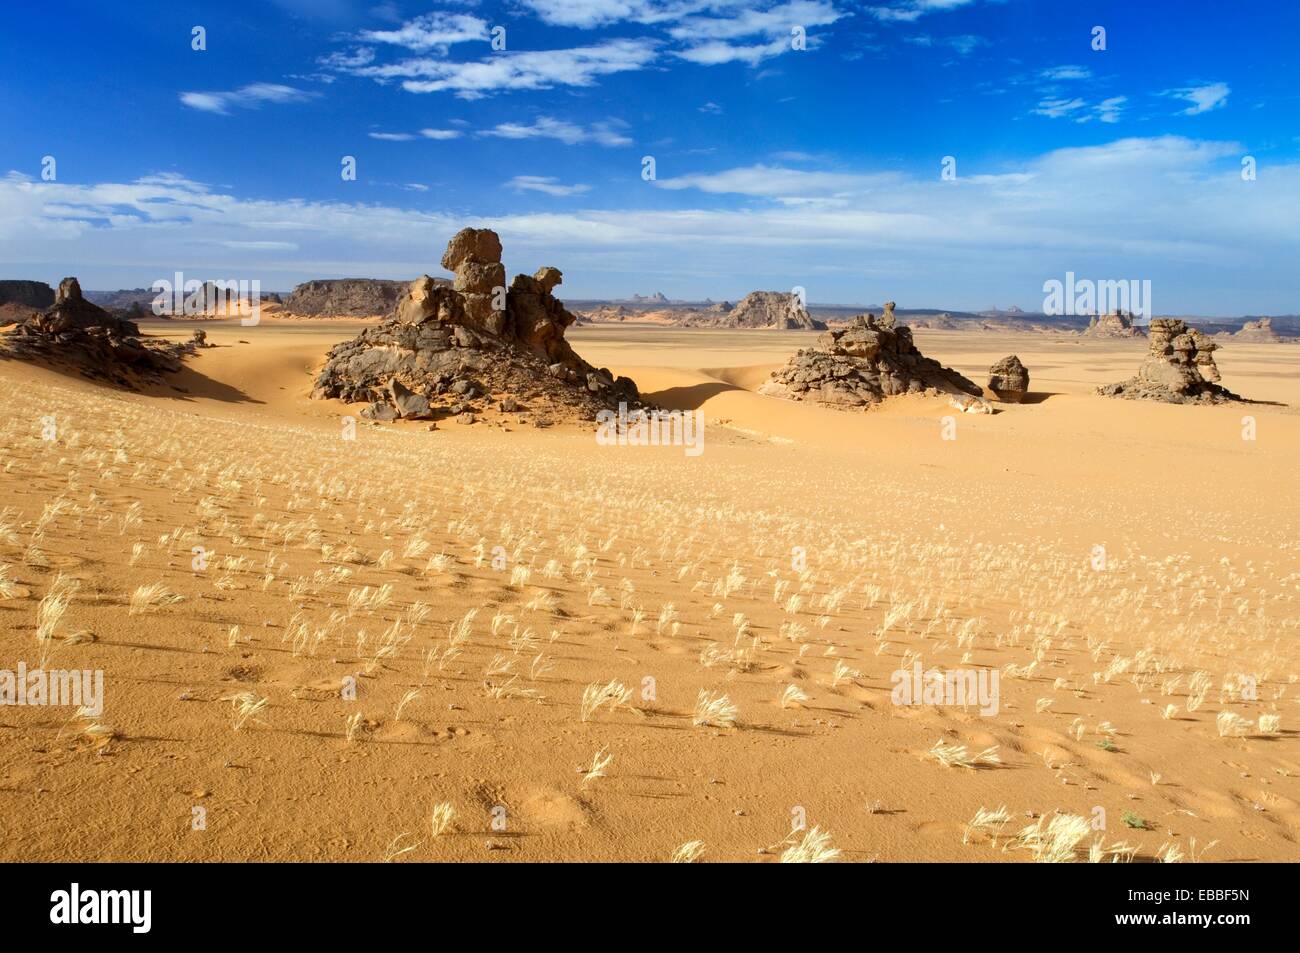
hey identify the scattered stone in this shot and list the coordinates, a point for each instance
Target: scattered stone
(862, 364)
(452, 343)
(970, 404)
(200, 338)
(1009, 380)
(406, 402)
(508, 405)
(465, 418)
(1179, 368)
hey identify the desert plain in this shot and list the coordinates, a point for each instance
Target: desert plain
(326, 640)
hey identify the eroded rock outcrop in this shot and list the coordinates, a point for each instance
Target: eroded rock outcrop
(458, 349)
(1009, 380)
(73, 332)
(1117, 324)
(346, 297)
(758, 309)
(1179, 368)
(1253, 332)
(862, 364)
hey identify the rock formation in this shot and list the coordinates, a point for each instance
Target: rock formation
(1009, 380)
(455, 350)
(347, 297)
(74, 332)
(1255, 332)
(1179, 368)
(862, 364)
(29, 294)
(758, 309)
(1117, 324)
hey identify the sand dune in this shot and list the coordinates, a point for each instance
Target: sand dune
(1108, 559)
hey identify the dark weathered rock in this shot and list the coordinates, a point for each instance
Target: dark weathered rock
(1179, 368)
(75, 333)
(29, 294)
(1009, 380)
(861, 365)
(409, 405)
(452, 345)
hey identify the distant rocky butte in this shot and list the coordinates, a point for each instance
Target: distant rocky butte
(348, 297)
(758, 309)
(1260, 332)
(1179, 368)
(862, 364)
(103, 346)
(29, 294)
(459, 350)
(1117, 324)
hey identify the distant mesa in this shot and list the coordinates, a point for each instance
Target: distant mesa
(759, 309)
(861, 365)
(462, 348)
(28, 294)
(1009, 380)
(1179, 368)
(348, 297)
(1117, 324)
(74, 332)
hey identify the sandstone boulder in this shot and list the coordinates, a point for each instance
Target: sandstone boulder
(1009, 380)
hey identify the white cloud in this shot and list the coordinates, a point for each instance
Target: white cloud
(1202, 98)
(391, 136)
(1080, 110)
(246, 97)
(433, 31)
(545, 127)
(1172, 209)
(440, 133)
(547, 184)
(1056, 108)
(711, 38)
(587, 14)
(510, 70)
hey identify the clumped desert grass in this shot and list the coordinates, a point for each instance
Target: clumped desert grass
(599, 762)
(441, 819)
(1054, 839)
(714, 709)
(688, 853)
(613, 695)
(151, 598)
(793, 696)
(399, 845)
(353, 727)
(409, 697)
(1270, 724)
(958, 756)
(246, 707)
(987, 822)
(813, 848)
(1232, 725)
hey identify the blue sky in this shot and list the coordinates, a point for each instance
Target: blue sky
(775, 166)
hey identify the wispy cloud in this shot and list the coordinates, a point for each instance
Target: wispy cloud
(1202, 98)
(509, 70)
(545, 184)
(912, 10)
(546, 127)
(247, 97)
